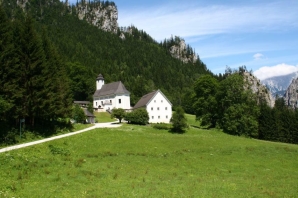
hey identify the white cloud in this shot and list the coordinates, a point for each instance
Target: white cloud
(195, 20)
(258, 56)
(277, 70)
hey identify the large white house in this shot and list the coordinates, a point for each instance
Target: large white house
(109, 96)
(159, 108)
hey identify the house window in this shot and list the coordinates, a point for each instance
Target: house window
(119, 101)
(111, 101)
(158, 117)
(167, 117)
(157, 108)
(96, 104)
(102, 102)
(151, 108)
(152, 117)
(166, 108)
(161, 101)
(154, 101)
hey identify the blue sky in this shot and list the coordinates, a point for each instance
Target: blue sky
(261, 34)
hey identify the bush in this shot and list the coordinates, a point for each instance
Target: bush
(162, 126)
(78, 114)
(179, 121)
(138, 116)
(118, 113)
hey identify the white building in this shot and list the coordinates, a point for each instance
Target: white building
(157, 105)
(109, 96)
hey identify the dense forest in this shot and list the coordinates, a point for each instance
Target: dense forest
(138, 61)
(228, 103)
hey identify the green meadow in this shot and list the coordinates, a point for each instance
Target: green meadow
(140, 161)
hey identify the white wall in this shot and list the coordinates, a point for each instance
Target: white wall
(125, 102)
(159, 109)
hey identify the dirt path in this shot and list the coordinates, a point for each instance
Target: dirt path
(97, 125)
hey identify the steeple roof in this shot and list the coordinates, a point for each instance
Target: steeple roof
(111, 89)
(99, 77)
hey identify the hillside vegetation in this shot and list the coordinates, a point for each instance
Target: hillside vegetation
(140, 161)
(138, 61)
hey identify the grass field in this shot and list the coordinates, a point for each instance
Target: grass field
(139, 161)
(102, 117)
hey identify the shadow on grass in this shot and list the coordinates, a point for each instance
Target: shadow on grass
(116, 123)
(177, 131)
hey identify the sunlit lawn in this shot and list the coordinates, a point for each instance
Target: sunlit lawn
(139, 161)
(102, 117)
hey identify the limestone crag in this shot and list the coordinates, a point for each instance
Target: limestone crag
(21, 3)
(257, 87)
(291, 95)
(179, 51)
(99, 14)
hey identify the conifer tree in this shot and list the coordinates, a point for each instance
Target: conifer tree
(7, 60)
(28, 70)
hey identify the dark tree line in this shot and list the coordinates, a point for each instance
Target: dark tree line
(138, 61)
(33, 78)
(228, 104)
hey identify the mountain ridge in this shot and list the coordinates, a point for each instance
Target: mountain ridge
(278, 85)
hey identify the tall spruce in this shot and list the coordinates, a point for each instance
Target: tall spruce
(57, 100)
(6, 62)
(28, 70)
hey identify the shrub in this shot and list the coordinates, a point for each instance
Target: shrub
(118, 113)
(161, 126)
(179, 121)
(78, 114)
(138, 116)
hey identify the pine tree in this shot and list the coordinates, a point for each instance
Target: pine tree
(28, 70)
(7, 61)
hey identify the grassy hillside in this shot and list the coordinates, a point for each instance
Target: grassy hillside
(139, 161)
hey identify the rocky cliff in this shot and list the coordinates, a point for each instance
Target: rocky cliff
(255, 85)
(279, 84)
(291, 95)
(180, 51)
(104, 15)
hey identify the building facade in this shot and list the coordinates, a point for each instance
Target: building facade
(109, 96)
(159, 108)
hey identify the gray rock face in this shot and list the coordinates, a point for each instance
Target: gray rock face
(179, 51)
(255, 85)
(104, 17)
(291, 95)
(279, 84)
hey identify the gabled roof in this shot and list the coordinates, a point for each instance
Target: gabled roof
(81, 102)
(111, 88)
(147, 98)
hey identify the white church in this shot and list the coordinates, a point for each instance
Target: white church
(109, 96)
(115, 95)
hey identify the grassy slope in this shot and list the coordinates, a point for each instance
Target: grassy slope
(102, 117)
(139, 161)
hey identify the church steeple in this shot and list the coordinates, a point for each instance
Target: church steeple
(100, 81)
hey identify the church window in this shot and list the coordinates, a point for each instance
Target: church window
(111, 101)
(158, 117)
(152, 117)
(161, 101)
(151, 108)
(157, 108)
(119, 101)
(166, 108)
(167, 117)
(154, 101)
